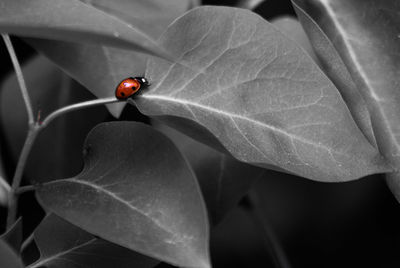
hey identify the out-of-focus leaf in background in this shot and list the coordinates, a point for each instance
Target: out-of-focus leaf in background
(13, 236)
(100, 67)
(137, 191)
(241, 86)
(73, 20)
(366, 36)
(63, 245)
(57, 150)
(8, 258)
(223, 180)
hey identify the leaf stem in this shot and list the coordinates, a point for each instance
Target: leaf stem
(20, 78)
(76, 106)
(272, 242)
(13, 199)
(24, 189)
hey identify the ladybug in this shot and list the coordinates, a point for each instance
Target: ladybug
(129, 86)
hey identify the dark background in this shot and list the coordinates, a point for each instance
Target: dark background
(353, 224)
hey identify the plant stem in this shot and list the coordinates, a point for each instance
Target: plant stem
(272, 242)
(20, 78)
(75, 107)
(13, 199)
(24, 189)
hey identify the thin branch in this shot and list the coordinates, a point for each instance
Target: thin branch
(24, 189)
(272, 242)
(20, 78)
(13, 200)
(75, 107)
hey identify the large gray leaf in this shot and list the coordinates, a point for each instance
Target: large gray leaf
(100, 68)
(240, 83)
(73, 20)
(366, 35)
(337, 71)
(63, 245)
(137, 191)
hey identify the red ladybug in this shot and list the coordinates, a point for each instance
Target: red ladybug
(130, 86)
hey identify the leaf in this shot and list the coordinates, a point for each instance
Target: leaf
(195, 3)
(241, 86)
(223, 180)
(366, 36)
(8, 258)
(337, 71)
(4, 187)
(100, 68)
(57, 150)
(75, 21)
(137, 191)
(63, 245)
(293, 30)
(249, 4)
(13, 236)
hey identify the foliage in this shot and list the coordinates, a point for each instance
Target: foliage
(247, 96)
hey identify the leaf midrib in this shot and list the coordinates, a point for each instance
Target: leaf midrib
(118, 198)
(237, 116)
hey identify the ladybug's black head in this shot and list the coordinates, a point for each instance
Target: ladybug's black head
(143, 81)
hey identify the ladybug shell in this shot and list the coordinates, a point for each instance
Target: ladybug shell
(127, 88)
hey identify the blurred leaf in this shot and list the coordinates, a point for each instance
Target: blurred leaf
(366, 36)
(223, 180)
(73, 20)
(194, 3)
(249, 4)
(337, 71)
(240, 85)
(8, 258)
(4, 186)
(100, 68)
(63, 245)
(136, 190)
(57, 150)
(13, 236)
